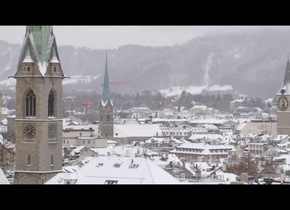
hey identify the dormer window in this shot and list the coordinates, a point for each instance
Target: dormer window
(28, 68)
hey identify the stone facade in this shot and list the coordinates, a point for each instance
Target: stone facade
(39, 102)
(106, 123)
(283, 117)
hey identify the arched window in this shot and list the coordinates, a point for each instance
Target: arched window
(51, 159)
(51, 104)
(28, 160)
(30, 104)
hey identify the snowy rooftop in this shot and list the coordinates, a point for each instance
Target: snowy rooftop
(123, 151)
(116, 170)
(3, 178)
(210, 121)
(206, 136)
(147, 130)
(202, 148)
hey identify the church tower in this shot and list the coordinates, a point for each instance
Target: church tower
(106, 120)
(283, 100)
(39, 102)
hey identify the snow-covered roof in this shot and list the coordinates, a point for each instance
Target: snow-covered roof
(202, 148)
(146, 130)
(155, 140)
(119, 170)
(111, 142)
(210, 126)
(241, 126)
(77, 150)
(199, 107)
(70, 169)
(238, 100)
(206, 136)
(3, 178)
(272, 152)
(122, 150)
(210, 121)
(164, 162)
(279, 137)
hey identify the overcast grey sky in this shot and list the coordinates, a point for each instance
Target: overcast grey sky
(109, 37)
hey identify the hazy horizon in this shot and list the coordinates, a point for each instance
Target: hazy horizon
(111, 37)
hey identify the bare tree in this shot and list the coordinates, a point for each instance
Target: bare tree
(245, 165)
(4, 151)
(269, 168)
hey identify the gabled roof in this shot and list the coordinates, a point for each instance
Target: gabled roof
(39, 45)
(28, 58)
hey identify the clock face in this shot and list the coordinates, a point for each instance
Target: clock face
(282, 103)
(29, 131)
(51, 131)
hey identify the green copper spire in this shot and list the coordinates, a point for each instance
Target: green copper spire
(28, 58)
(39, 46)
(106, 87)
(287, 74)
(54, 57)
(41, 36)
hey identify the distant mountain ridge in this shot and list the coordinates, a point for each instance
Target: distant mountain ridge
(253, 63)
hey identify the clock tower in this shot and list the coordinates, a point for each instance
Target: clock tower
(39, 95)
(283, 103)
(106, 117)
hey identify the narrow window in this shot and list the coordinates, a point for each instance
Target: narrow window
(51, 104)
(54, 69)
(108, 118)
(28, 68)
(28, 160)
(51, 160)
(30, 104)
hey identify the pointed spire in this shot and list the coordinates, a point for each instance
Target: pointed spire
(287, 74)
(106, 87)
(41, 36)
